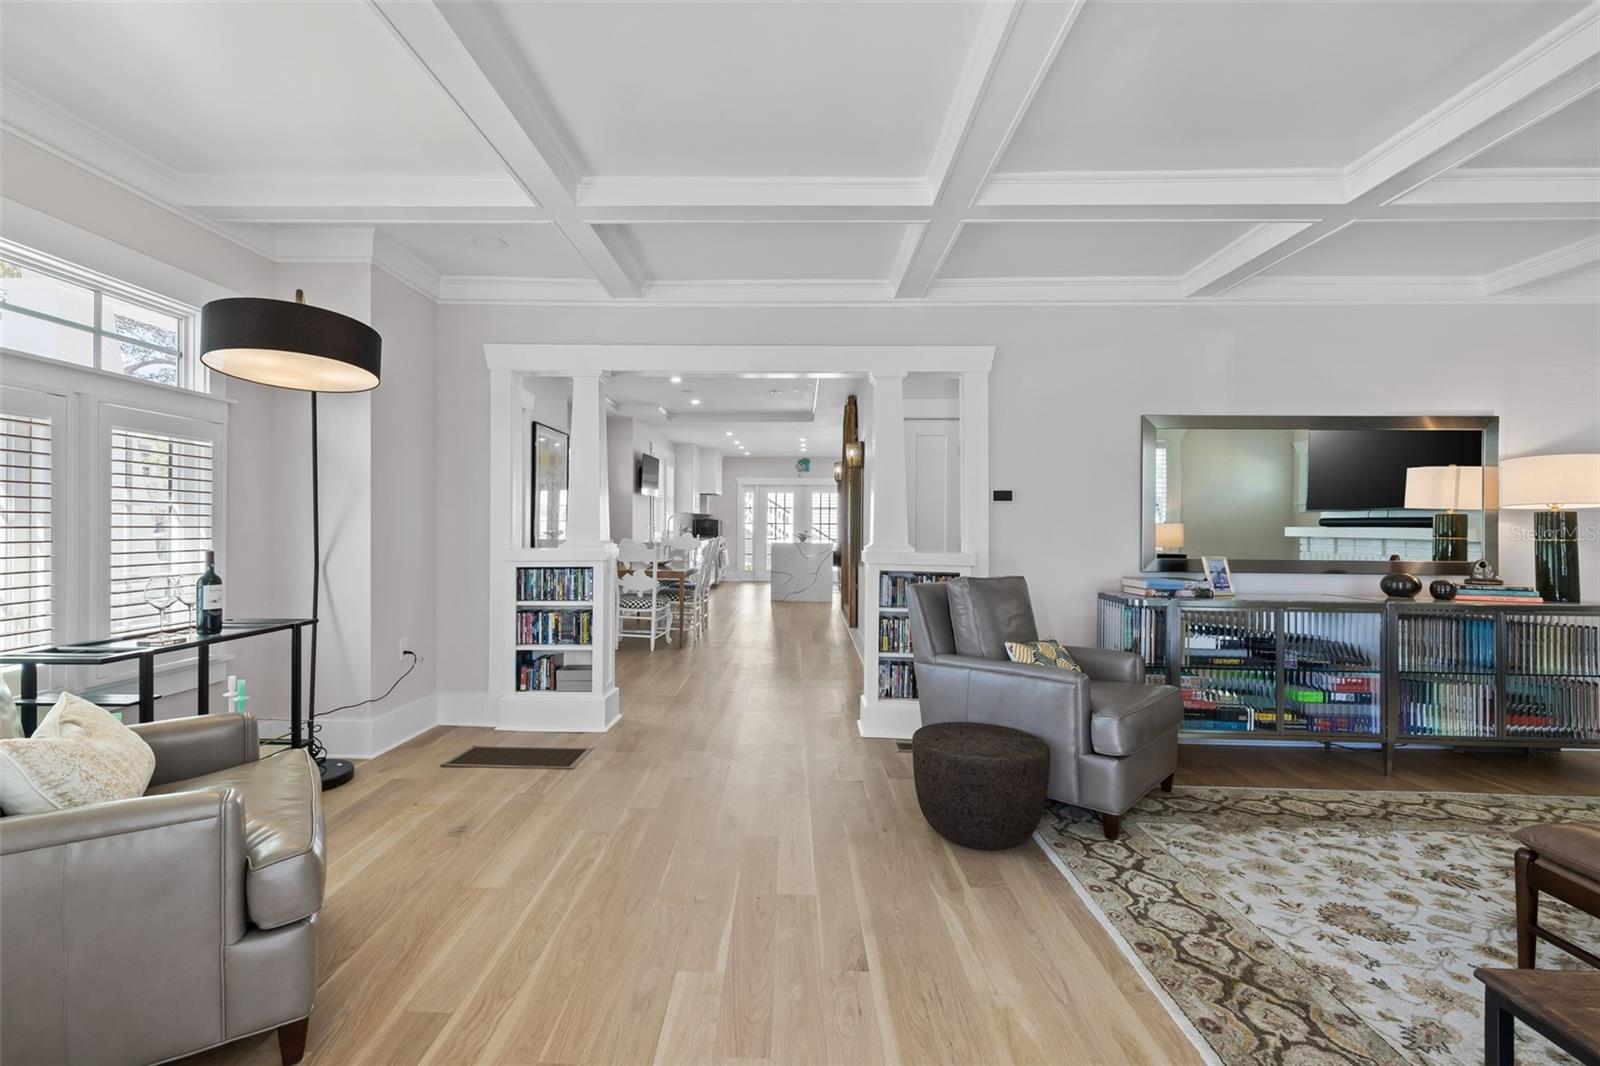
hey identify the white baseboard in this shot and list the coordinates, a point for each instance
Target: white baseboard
(465, 708)
(560, 712)
(364, 738)
(889, 719)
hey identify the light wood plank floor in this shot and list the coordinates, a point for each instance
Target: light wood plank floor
(733, 875)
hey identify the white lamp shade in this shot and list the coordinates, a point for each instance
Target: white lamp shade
(1444, 488)
(1169, 535)
(1564, 482)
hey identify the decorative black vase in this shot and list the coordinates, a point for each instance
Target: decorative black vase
(1397, 584)
(1555, 555)
(1442, 589)
(1450, 537)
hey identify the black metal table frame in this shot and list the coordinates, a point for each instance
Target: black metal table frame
(123, 649)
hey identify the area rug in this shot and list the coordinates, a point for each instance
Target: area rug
(1301, 927)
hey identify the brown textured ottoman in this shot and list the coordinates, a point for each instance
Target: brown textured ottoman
(979, 785)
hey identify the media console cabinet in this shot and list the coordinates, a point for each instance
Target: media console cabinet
(1388, 672)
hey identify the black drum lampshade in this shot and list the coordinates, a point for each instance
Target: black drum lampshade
(289, 345)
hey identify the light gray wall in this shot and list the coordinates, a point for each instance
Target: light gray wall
(1068, 389)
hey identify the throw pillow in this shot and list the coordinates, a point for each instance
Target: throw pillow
(79, 754)
(1042, 652)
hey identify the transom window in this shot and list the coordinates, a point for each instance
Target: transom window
(52, 310)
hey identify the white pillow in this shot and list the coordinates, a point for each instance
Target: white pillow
(79, 754)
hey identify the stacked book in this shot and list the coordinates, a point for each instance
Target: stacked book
(1166, 586)
(1470, 593)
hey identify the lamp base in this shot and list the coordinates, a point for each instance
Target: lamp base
(336, 772)
(1555, 555)
(1166, 564)
(1450, 537)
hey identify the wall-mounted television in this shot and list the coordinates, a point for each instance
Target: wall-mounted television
(649, 475)
(1365, 469)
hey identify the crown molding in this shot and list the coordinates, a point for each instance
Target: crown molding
(1509, 185)
(457, 289)
(394, 259)
(1055, 290)
(1265, 186)
(770, 291)
(1531, 274)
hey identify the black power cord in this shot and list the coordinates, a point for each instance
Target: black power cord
(314, 744)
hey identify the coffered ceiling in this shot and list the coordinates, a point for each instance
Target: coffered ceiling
(770, 152)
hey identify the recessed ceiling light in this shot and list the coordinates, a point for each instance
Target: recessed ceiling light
(694, 399)
(676, 380)
(728, 434)
(493, 244)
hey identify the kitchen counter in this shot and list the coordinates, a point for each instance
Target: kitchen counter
(802, 571)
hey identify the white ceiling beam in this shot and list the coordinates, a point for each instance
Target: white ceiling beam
(1580, 257)
(465, 48)
(1510, 185)
(771, 192)
(754, 213)
(1033, 36)
(1165, 187)
(1382, 189)
(1257, 242)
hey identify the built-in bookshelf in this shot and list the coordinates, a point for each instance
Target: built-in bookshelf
(889, 703)
(554, 635)
(1379, 671)
(897, 677)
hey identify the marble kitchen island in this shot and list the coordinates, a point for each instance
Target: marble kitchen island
(802, 571)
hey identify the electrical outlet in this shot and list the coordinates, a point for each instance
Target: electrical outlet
(405, 646)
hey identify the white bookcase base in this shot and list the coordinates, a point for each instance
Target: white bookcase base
(889, 719)
(560, 712)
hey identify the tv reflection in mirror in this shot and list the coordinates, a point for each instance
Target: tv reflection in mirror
(548, 497)
(1322, 494)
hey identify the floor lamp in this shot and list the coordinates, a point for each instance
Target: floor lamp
(308, 349)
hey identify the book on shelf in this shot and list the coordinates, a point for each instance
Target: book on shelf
(553, 626)
(897, 681)
(894, 635)
(1167, 594)
(555, 583)
(1165, 582)
(537, 673)
(1498, 599)
(893, 585)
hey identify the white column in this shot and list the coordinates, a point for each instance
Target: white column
(889, 526)
(975, 469)
(588, 509)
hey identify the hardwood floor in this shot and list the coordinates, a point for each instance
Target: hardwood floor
(733, 875)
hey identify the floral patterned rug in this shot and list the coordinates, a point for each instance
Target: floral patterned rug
(1306, 927)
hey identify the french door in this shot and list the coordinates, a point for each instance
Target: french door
(772, 513)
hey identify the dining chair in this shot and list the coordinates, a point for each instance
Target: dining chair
(641, 599)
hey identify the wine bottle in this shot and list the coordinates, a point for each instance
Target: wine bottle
(208, 599)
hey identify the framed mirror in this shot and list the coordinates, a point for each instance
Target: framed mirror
(1330, 495)
(548, 498)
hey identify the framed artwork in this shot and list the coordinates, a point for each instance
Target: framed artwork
(1218, 575)
(547, 498)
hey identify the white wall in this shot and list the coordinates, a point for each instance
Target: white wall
(626, 440)
(1237, 492)
(1068, 389)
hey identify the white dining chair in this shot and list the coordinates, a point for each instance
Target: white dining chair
(644, 607)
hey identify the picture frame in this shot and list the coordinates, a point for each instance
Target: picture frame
(1219, 575)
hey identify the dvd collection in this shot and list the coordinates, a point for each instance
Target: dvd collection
(536, 673)
(554, 627)
(894, 635)
(892, 585)
(897, 681)
(551, 583)
(1137, 627)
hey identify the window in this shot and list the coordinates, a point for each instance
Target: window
(160, 518)
(780, 520)
(54, 310)
(1161, 483)
(26, 608)
(825, 514)
(748, 529)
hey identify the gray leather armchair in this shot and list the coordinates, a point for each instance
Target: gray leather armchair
(1112, 737)
(145, 929)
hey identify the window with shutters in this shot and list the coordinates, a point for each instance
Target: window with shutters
(26, 531)
(161, 510)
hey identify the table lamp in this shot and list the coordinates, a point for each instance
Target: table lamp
(1169, 546)
(1448, 491)
(1555, 486)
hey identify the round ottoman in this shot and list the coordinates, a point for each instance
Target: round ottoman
(980, 786)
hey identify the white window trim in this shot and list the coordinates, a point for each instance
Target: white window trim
(39, 404)
(90, 401)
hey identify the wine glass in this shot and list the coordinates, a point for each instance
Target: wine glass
(186, 592)
(161, 592)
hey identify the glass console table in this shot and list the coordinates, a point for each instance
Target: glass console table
(124, 649)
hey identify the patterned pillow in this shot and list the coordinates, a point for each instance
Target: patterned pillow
(79, 754)
(1042, 653)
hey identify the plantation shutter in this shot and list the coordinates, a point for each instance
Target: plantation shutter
(26, 548)
(160, 519)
